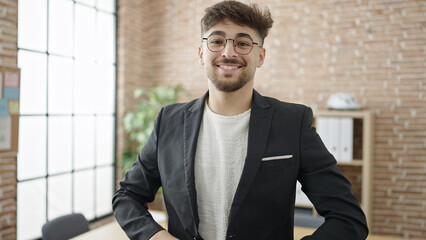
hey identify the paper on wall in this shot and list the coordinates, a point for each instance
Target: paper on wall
(1, 85)
(5, 133)
(11, 79)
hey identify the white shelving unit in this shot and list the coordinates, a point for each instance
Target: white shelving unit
(365, 163)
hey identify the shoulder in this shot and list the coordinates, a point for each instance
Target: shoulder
(178, 110)
(288, 107)
(293, 113)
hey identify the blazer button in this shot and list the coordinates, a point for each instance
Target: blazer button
(232, 236)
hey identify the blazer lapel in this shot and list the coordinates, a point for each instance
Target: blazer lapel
(259, 126)
(192, 122)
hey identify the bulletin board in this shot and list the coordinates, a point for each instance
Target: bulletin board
(9, 109)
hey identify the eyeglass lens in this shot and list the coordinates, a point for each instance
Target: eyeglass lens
(242, 45)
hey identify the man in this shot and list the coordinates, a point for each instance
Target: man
(228, 162)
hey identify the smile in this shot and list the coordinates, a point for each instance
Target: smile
(228, 68)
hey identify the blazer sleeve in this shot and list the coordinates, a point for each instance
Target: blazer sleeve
(327, 188)
(139, 187)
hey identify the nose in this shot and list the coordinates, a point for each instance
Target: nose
(229, 50)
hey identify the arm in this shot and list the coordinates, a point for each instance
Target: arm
(163, 235)
(138, 188)
(327, 188)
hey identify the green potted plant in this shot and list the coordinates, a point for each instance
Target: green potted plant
(139, 122)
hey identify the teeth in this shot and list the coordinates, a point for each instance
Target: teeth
(228, 67)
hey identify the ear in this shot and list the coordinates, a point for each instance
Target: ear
(200, 55)
(262, 55)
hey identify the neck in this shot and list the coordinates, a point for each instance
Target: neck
(230, 104)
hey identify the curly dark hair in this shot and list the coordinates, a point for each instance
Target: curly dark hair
(242, 14)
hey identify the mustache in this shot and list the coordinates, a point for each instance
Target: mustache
(229, 61)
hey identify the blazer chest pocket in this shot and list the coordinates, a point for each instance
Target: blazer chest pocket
(277, 161)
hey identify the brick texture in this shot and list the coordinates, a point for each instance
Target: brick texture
(8, 32)
(8, 57)
(133, 62)
(375, 50)
(7, 198)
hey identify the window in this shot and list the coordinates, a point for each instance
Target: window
(66, 52)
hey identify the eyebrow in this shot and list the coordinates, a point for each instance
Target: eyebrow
(222, 33)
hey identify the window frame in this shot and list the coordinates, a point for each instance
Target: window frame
(95, 115)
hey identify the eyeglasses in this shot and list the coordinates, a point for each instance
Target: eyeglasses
(242, 45)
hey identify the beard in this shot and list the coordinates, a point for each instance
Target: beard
(224, 83)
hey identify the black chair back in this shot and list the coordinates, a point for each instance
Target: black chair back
(65, 227)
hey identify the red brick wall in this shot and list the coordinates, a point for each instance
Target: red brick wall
(133, 62)
(375, 50)
(7, 198)
(8, 32)
(8, 57)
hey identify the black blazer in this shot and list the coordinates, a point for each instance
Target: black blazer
(263, 205)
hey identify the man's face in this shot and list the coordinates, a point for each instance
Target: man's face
(228, 70)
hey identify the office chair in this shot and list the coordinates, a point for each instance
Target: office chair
(303, 217)
(65, 227)
(308, 220)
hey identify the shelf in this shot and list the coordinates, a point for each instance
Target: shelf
(342, 113)
(363, 162)
(355, 162)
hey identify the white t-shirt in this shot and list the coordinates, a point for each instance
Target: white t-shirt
(219, 161)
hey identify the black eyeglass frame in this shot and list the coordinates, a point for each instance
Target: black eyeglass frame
(233, 44)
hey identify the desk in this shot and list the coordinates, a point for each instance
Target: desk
(300, 232)
(113, 231)
(108, 231)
